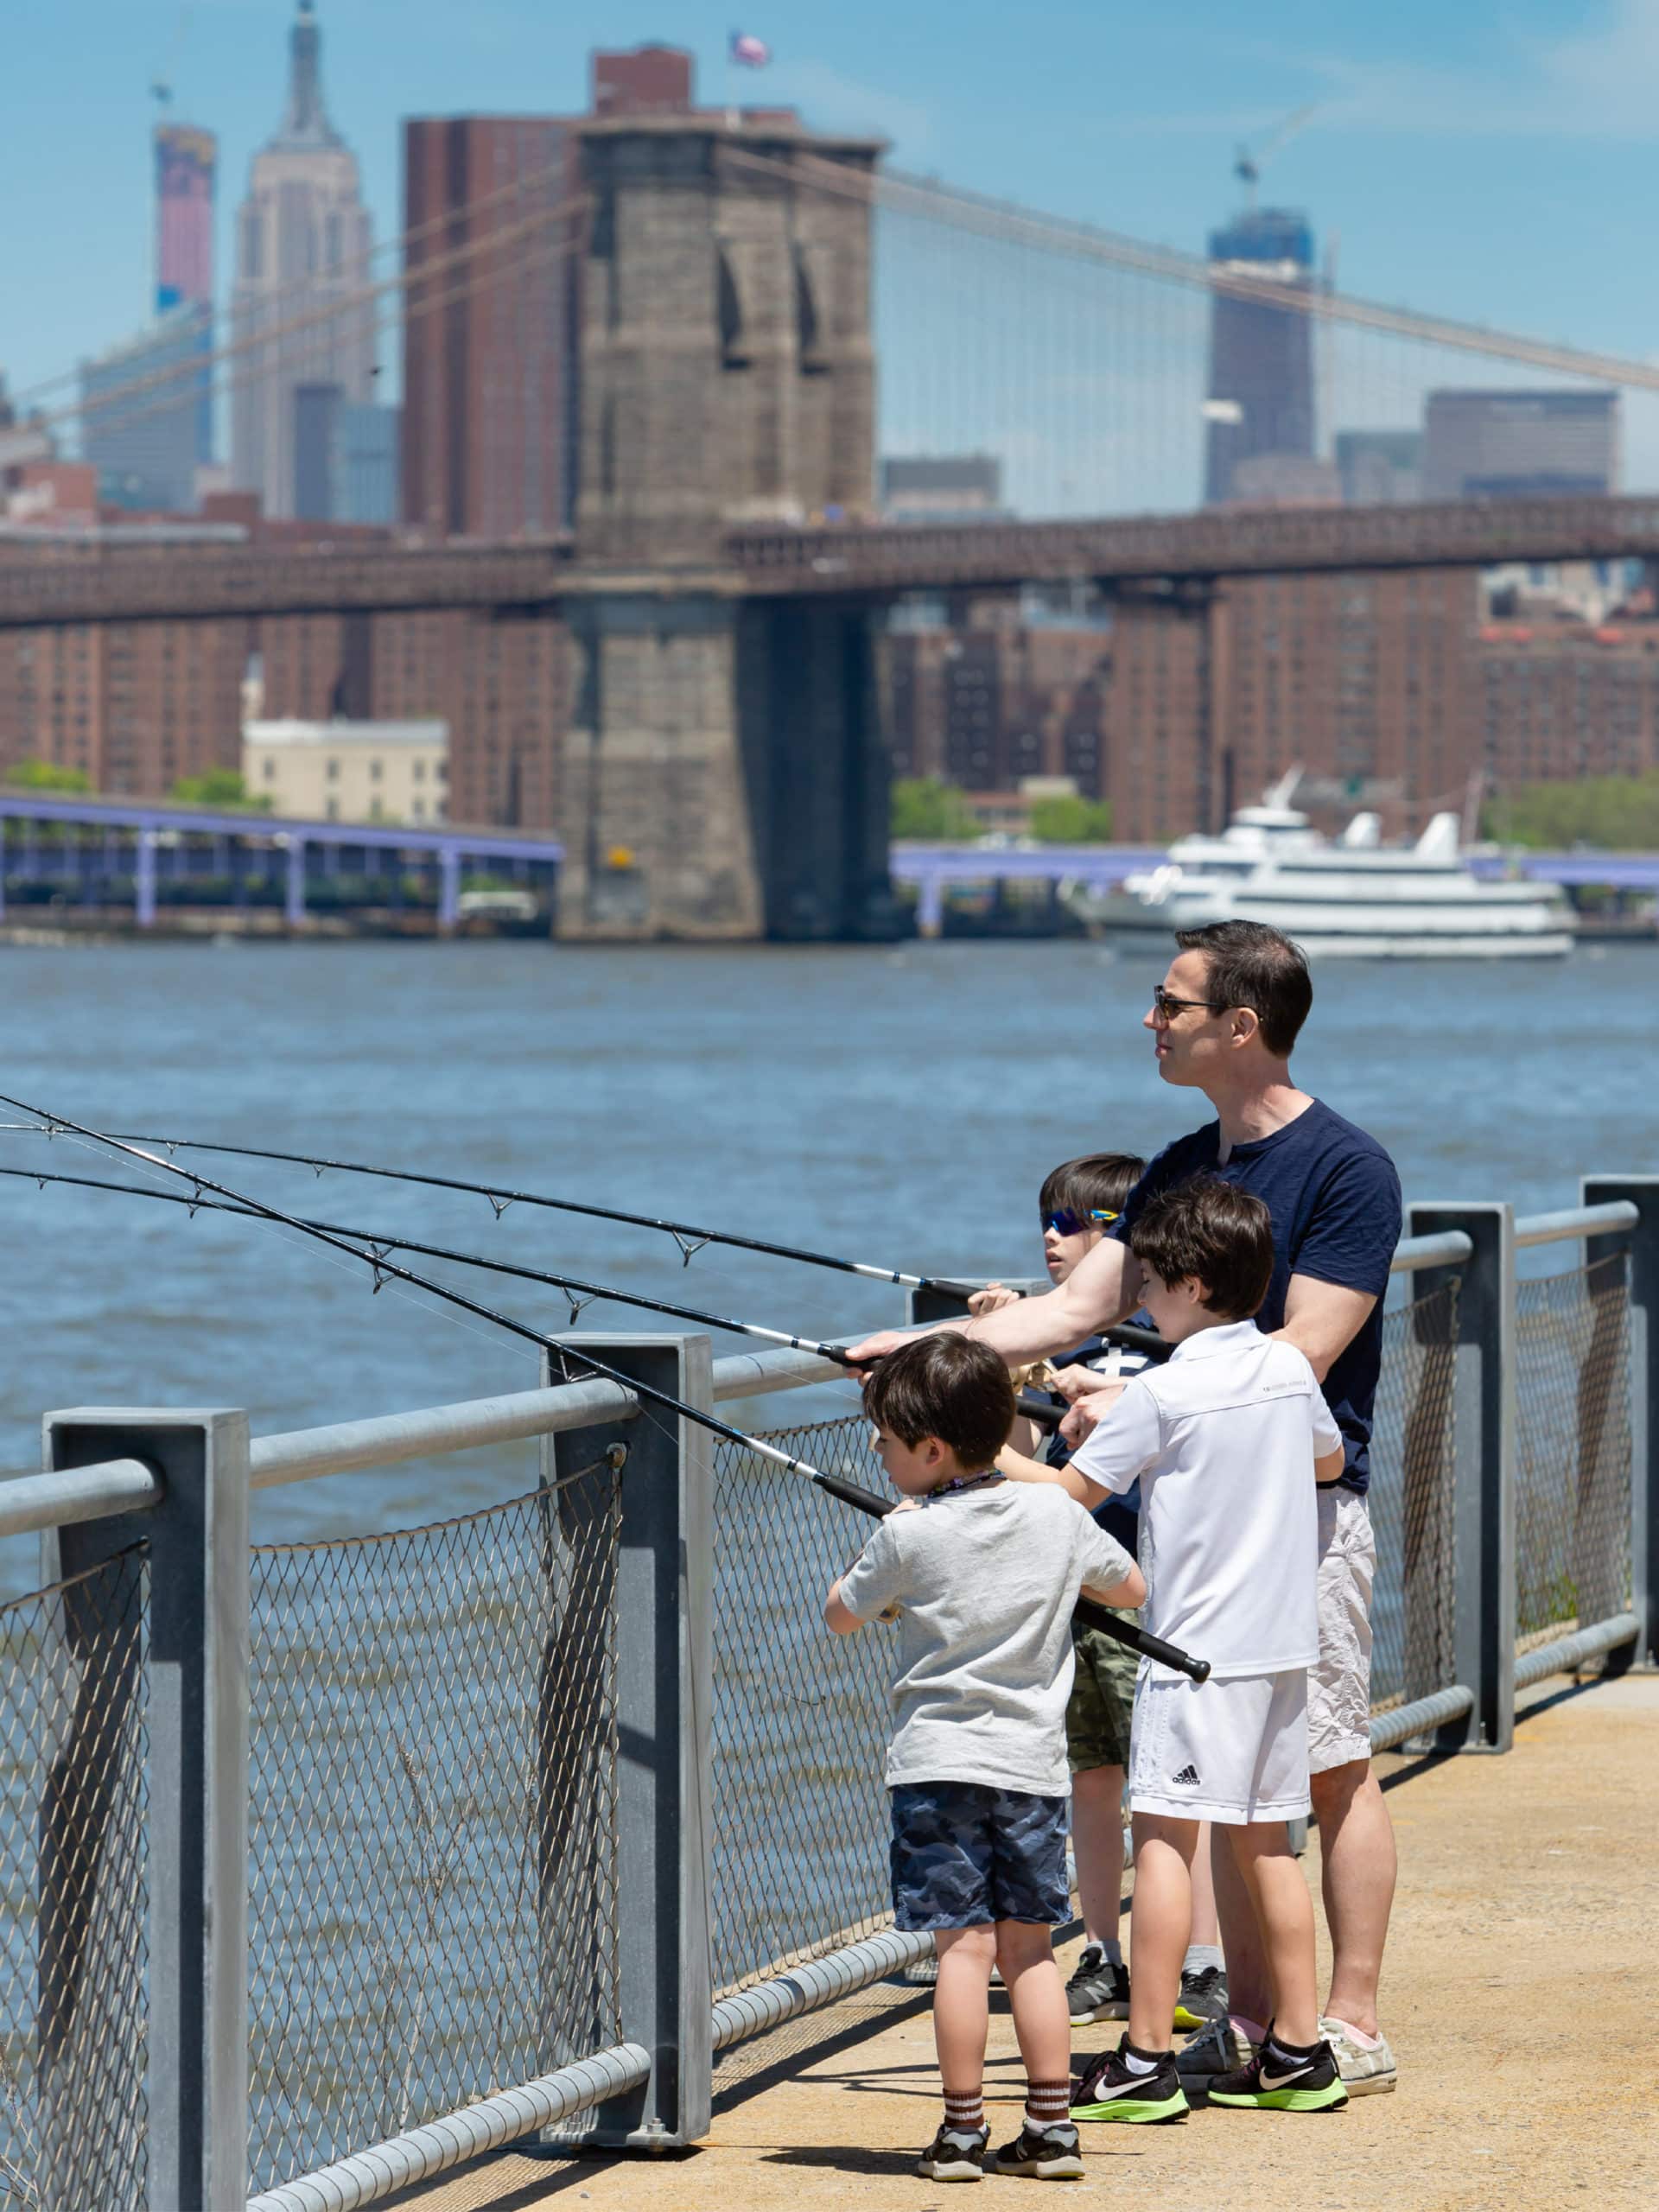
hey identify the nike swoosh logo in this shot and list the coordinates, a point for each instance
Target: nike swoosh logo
(1283, 2081)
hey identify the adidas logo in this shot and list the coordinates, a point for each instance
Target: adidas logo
(1187, 1779)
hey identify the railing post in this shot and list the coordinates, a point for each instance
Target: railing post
(1642, 1192)
(661, 1611)
(1482, 1386)
(197, 1857)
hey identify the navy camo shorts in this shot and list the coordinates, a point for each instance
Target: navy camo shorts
(965, 1854)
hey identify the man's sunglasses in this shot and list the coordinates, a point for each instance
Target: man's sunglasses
(1167, 1005)
(1065, 1223)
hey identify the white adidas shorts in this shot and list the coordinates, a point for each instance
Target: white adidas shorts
(1233, 1750)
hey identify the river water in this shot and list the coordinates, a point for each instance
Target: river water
(896, 1105)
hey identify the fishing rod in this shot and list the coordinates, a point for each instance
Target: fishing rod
(384, 1268)
(1031, 1405)
(690, 1239)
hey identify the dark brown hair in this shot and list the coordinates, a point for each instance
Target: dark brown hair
(1102, 1180)
(1206, 1229)
(949, 1387)
(1249, 965)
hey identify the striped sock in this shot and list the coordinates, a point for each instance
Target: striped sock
(1048, 2104)
(965, 2115)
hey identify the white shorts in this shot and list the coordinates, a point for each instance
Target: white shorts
(1234, 1751)
(1339, 1686)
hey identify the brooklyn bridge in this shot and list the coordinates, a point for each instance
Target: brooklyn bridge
(701, 675)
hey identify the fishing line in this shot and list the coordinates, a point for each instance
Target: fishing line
(690, 1238)
(386, 1269)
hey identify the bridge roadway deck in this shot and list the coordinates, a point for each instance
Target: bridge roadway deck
(1519, 1998)
(60, 581)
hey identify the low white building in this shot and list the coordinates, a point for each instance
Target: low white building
(349, 771)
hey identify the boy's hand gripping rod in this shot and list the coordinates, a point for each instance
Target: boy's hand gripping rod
(384, 1268)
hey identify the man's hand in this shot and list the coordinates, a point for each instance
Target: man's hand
(862, 1356)
(994, 1296)
(1093, 1407)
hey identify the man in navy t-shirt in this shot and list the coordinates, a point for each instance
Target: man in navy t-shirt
(1223, 1021)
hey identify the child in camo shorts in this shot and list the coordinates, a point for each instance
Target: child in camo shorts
(1078, 1202)
(982, 1574)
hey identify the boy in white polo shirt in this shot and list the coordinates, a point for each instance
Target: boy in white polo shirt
(1227, 1439)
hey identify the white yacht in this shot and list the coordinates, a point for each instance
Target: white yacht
(1354, 895)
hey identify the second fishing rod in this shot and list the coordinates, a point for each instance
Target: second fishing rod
(580, 1292)
(384, 1268)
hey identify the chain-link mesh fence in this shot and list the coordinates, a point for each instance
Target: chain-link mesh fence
(433, 1906)
(1572, 1448)
(74, 1892)
(800, 1717)
(1412, 1501)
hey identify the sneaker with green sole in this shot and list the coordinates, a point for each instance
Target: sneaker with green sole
(1203, 1997)
(1109, 2089)
(1277, 2080)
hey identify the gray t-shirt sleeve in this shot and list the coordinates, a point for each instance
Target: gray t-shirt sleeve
(1102, 1559)
(1123, 1445)
(875, 1579)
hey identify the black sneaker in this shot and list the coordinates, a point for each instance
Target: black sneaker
(1203, 1997)
(1108, 2088)
(1284, 2081)
(1046, 2154)
(1096, 1991)
(955, 2154)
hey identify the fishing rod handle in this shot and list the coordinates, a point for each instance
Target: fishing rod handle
(1091, 1615)
(1036, 1406)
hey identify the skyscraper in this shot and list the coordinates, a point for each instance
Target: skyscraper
(186, 170)
(302, 267)
(1520, 445)
(186, 163)
(1260, 399)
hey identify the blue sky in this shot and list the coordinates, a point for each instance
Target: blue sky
(1496, 162)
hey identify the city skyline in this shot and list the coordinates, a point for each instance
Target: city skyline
(1153, 123)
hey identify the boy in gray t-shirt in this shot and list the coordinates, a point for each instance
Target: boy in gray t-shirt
(982, 1575)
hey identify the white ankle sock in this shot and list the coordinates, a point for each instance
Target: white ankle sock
(1199, 1956)
(1110, 1950)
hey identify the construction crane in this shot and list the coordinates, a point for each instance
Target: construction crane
(161, 88)
(1248, 162)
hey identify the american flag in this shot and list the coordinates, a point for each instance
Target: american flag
(753, 52)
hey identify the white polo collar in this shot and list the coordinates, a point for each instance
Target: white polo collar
(1209, 1343)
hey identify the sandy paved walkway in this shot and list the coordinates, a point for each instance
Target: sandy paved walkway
(1519, 1999)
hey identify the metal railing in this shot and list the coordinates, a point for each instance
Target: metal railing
(324, 1867)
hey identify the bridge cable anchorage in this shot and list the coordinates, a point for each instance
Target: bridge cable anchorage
(360, 1246)
(690, 1239)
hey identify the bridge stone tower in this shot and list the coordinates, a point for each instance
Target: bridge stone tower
(727, 380)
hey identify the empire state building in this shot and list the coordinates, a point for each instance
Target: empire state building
(303, 332)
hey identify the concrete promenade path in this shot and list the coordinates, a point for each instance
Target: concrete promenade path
(1519, 1997)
